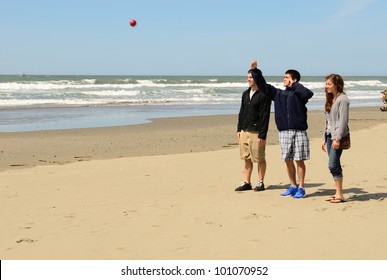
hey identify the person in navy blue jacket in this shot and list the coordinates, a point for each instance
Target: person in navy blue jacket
(290, 113)
(253, 124)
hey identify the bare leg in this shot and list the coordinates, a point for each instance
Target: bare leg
(339, 188)
(261, 170)
(247, 170)
(291, 172)
(301, 171)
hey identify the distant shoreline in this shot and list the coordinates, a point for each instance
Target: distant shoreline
(159, 136)
(84, 117)
(33, 103)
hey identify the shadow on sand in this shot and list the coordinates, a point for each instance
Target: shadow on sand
(352, 194)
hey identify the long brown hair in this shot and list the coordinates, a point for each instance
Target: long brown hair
(328, 101)
(338, 81)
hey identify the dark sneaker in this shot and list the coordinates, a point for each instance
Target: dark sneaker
(244, 187)
(300, 193)
(260, 187)
(290, 191)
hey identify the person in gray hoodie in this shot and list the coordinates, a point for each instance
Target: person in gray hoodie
(336, 128)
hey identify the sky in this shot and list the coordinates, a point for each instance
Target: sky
(177, 37)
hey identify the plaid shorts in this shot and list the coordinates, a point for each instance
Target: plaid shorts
(294, 145)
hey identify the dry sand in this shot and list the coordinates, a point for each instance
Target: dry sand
(165, 190)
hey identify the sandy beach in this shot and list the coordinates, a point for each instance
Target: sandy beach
(165, 190)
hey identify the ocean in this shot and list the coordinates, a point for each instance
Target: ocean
(29, 103)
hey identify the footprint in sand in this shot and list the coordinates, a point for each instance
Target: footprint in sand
(213, 224)
(70, 216)
(26, 227)
(254, 215)
(28, 240)
(348, 206)
(130, 213)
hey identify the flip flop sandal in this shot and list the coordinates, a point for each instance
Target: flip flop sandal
(337, 200)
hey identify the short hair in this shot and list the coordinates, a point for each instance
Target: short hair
(337, 80)
(294, 74)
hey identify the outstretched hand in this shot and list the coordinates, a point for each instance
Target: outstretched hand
(253, 64)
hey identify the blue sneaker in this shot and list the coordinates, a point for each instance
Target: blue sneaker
(300, 193)
(292, 190)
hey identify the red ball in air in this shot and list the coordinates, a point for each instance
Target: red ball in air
(132, 23)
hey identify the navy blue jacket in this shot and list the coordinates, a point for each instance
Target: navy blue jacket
(290, 106)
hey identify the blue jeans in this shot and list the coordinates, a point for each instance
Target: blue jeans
(334, 164)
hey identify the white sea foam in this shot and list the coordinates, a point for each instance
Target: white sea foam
(72, 101)
(77, 91)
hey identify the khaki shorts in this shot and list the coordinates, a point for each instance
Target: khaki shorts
(249, 147)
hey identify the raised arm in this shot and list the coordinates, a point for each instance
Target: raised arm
(302, 91)
(261, 82)
(253, 64)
